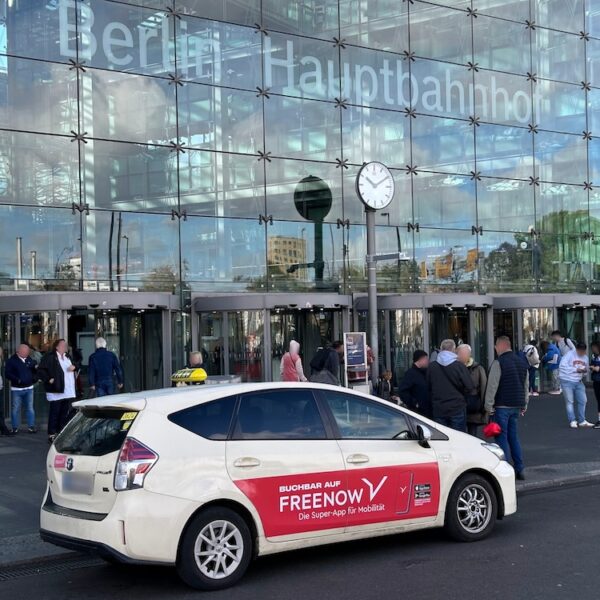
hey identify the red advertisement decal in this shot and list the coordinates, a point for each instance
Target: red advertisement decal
(317, 501)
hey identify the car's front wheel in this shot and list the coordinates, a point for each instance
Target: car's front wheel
(471, 509)
(216, 549)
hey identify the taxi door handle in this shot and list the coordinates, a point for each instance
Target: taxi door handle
(247, 461)
(356, 459)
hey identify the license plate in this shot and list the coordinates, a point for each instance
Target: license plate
(78, 483)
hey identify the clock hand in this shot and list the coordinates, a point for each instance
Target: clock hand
(371, 181)
(379, 182)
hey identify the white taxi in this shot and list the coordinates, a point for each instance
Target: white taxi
(206, 478)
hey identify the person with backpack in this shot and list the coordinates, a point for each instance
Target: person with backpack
(564, 344)
(291, 364)
(532, 356)
(551, 362)
(325, 366)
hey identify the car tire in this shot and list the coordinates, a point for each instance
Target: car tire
(215, 550)
(471, 509)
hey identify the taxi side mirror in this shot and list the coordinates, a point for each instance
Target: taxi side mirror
(423, 436)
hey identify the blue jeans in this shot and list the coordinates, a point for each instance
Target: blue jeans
(457, 421)
(105, 387)
(508, 440)
(574, 393)
(18, 398)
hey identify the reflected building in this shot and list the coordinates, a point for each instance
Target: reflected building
(159, 159)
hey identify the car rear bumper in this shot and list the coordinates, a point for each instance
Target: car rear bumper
(141, 527)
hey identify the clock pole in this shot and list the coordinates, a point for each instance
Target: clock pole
(372, 279)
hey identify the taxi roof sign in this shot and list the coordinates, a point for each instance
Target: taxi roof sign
(189, 376)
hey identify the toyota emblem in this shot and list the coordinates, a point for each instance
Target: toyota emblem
(69, 464)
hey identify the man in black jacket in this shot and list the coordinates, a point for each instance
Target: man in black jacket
(448, 383)
(413, 389)
(20, 371)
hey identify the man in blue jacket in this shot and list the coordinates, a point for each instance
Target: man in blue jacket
(20, 371)
(551, 361)
(103, 367)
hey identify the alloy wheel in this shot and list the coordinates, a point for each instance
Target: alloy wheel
(218, 549)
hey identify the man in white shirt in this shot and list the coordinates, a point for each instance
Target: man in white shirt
(573, 366)
(58, 374)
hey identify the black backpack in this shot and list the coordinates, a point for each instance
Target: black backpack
(319, 359)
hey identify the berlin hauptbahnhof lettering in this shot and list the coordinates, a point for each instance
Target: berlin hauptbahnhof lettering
(386, 85)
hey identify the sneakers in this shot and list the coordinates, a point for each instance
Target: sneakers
(555, 392)
(32, 429)
(535, 393)
(521, 476)
(585, 424)
(573, 424)
(15, 431)
(597, 425)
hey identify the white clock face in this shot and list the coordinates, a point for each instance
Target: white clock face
(375, 185)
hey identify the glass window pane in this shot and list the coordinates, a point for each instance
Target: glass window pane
(567, 15)
(128, 107)
(443, 145)
(357, 418)
(565, 263)
(504, 151)
(442, 89)
(501, 45)
(232, 11)
(217, 53)
(224, 254)
(407, 336)
(518, 10)
(444, 201)
(309, 192)
(441, 33)
(38, 169)
(379, 24)
(129, 176)
(130, 251)
(446, 260)
(593, 62)
(508, 262)
(560, 106)
(49, 246)
(503, 98)
(215, 118)
(304, 256)
(505, 204)
(370, 134)
(558, 55)
(210, 420)
(38, 96)
(307, 129)
(560, 157)
(314, 18)
(213, 184)
(246, 338)
(301, 67)
(562, 209)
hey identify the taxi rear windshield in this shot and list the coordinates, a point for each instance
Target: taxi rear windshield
(95, 432)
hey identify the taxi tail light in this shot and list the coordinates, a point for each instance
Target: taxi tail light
(134, 463)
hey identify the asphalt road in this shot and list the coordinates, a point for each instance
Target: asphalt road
(549, 550)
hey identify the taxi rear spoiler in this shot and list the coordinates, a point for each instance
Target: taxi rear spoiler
(118, 401)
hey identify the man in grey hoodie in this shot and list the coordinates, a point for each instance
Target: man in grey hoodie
(565, 345)
(448, 383)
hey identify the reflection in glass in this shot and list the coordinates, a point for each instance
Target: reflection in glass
(246, 338)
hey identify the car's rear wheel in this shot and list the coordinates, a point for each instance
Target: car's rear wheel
(216, 549)
(471, 509)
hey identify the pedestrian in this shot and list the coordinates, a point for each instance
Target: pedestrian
(506, 398)
(385, 388)
(448, 384)
(551, 361)
(20, 370)
(476, 416)
(413, 389)
(573, 366)
(532, 356)
(325, 366)
(103, 368)
(195, 360)
(595, 369)
(564, 344)
(4, 430)
(291, 364)
(57, 372)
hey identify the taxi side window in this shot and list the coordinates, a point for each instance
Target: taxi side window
(279, 415)
(211, 420)
(358, 418)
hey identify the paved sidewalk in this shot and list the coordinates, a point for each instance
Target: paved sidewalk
(555, 456)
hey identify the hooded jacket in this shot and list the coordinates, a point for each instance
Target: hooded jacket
(448, 382)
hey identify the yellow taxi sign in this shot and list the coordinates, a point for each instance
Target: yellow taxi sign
(189, 376)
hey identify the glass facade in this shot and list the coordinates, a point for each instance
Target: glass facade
(194, 146)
